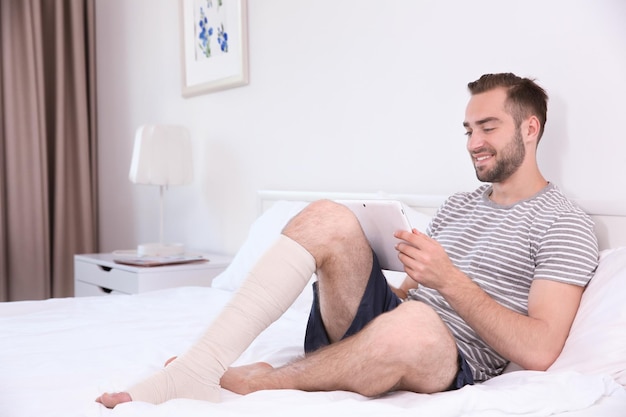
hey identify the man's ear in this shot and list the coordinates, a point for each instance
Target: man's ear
(532, 127)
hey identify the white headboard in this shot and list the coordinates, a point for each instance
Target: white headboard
(609, 216)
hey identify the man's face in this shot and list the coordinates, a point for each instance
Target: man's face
(494, 142)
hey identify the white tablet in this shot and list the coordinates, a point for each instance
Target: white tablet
(380, 219)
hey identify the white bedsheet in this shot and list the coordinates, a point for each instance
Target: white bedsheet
(57, 356)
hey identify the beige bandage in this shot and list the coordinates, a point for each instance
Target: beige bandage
(271, 287)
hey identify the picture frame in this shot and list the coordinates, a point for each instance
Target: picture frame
(214, 45)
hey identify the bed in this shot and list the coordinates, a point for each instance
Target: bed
(58, 355)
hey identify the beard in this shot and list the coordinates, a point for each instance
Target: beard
(508, 160)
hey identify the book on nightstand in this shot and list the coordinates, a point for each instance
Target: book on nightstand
(150, 261)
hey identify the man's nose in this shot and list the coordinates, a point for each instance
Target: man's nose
(475, 141)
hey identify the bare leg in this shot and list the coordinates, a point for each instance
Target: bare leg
(409, 348)
(332, 234)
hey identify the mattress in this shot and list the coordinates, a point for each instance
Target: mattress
(58, 355)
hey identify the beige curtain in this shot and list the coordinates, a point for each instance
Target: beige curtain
(48, 206)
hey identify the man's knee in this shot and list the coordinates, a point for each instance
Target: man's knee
(415, 326)
(321, 213)
(416, 346)
(323, 221)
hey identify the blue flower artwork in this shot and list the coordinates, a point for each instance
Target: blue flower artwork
(209, 19)
(204, 37)
(222, 38)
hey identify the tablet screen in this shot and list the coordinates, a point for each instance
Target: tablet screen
(380, 219)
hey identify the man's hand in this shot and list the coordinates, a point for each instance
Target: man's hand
(425, 260)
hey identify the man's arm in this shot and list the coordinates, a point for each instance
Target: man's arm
(533, 341)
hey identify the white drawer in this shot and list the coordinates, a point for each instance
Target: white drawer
(106, 278)
(83, 289)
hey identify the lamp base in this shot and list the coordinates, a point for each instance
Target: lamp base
(160, 249)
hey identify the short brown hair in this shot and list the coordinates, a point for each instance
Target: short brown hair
(524, 96)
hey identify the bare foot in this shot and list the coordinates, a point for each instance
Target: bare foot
(111, 400)
(242, 379)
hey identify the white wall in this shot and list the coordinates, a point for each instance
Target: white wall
(351, 95)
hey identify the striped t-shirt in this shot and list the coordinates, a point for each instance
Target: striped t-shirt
(503, 249)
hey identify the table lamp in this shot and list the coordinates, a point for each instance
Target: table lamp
(161, 156)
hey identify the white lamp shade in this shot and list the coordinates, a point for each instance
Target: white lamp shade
(161, 156)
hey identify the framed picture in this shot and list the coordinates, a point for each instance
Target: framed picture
(214, 45)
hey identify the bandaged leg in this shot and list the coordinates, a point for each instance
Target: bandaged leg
(271, 287)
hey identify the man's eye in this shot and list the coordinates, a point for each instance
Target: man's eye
(468, 134)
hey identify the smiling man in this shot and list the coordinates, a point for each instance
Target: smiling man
(497, 278)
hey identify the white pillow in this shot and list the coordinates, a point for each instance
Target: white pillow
(264, 232)
(597, 340)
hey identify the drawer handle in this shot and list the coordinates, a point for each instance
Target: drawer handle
(105, 268)
(106, 290)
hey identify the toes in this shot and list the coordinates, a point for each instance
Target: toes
(111, 400)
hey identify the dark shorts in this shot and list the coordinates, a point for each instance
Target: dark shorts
(377, 299)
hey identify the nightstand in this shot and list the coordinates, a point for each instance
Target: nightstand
(98, 274)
